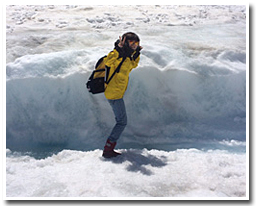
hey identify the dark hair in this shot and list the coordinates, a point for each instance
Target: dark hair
(131, 36)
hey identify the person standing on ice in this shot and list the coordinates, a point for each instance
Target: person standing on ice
(127, 49)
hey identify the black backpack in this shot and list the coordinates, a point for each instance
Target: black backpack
(98, 80)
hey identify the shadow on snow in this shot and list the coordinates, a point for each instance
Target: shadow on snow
(138, 161)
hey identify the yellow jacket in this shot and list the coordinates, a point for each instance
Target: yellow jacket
(118, 85)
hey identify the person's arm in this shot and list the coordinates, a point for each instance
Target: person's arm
(136, 57)
(119, 47)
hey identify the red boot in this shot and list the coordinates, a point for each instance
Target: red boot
(108, 151)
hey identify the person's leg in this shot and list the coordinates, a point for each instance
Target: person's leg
(118, 107)
(119, 110)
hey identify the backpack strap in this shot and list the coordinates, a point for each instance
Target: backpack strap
(94, 71)
(99, 62)
(116, 71)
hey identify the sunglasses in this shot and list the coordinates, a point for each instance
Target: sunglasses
(133, 42)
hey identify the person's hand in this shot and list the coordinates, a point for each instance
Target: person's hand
(121, 43)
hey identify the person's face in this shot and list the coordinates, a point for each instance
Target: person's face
(133, 44)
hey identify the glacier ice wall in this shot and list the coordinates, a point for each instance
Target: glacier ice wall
(189, 87)
(47, 102)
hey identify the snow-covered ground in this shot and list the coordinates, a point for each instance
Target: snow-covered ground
(137, 173)
(186, 102)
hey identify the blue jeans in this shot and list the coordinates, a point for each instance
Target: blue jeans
(118, 108)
